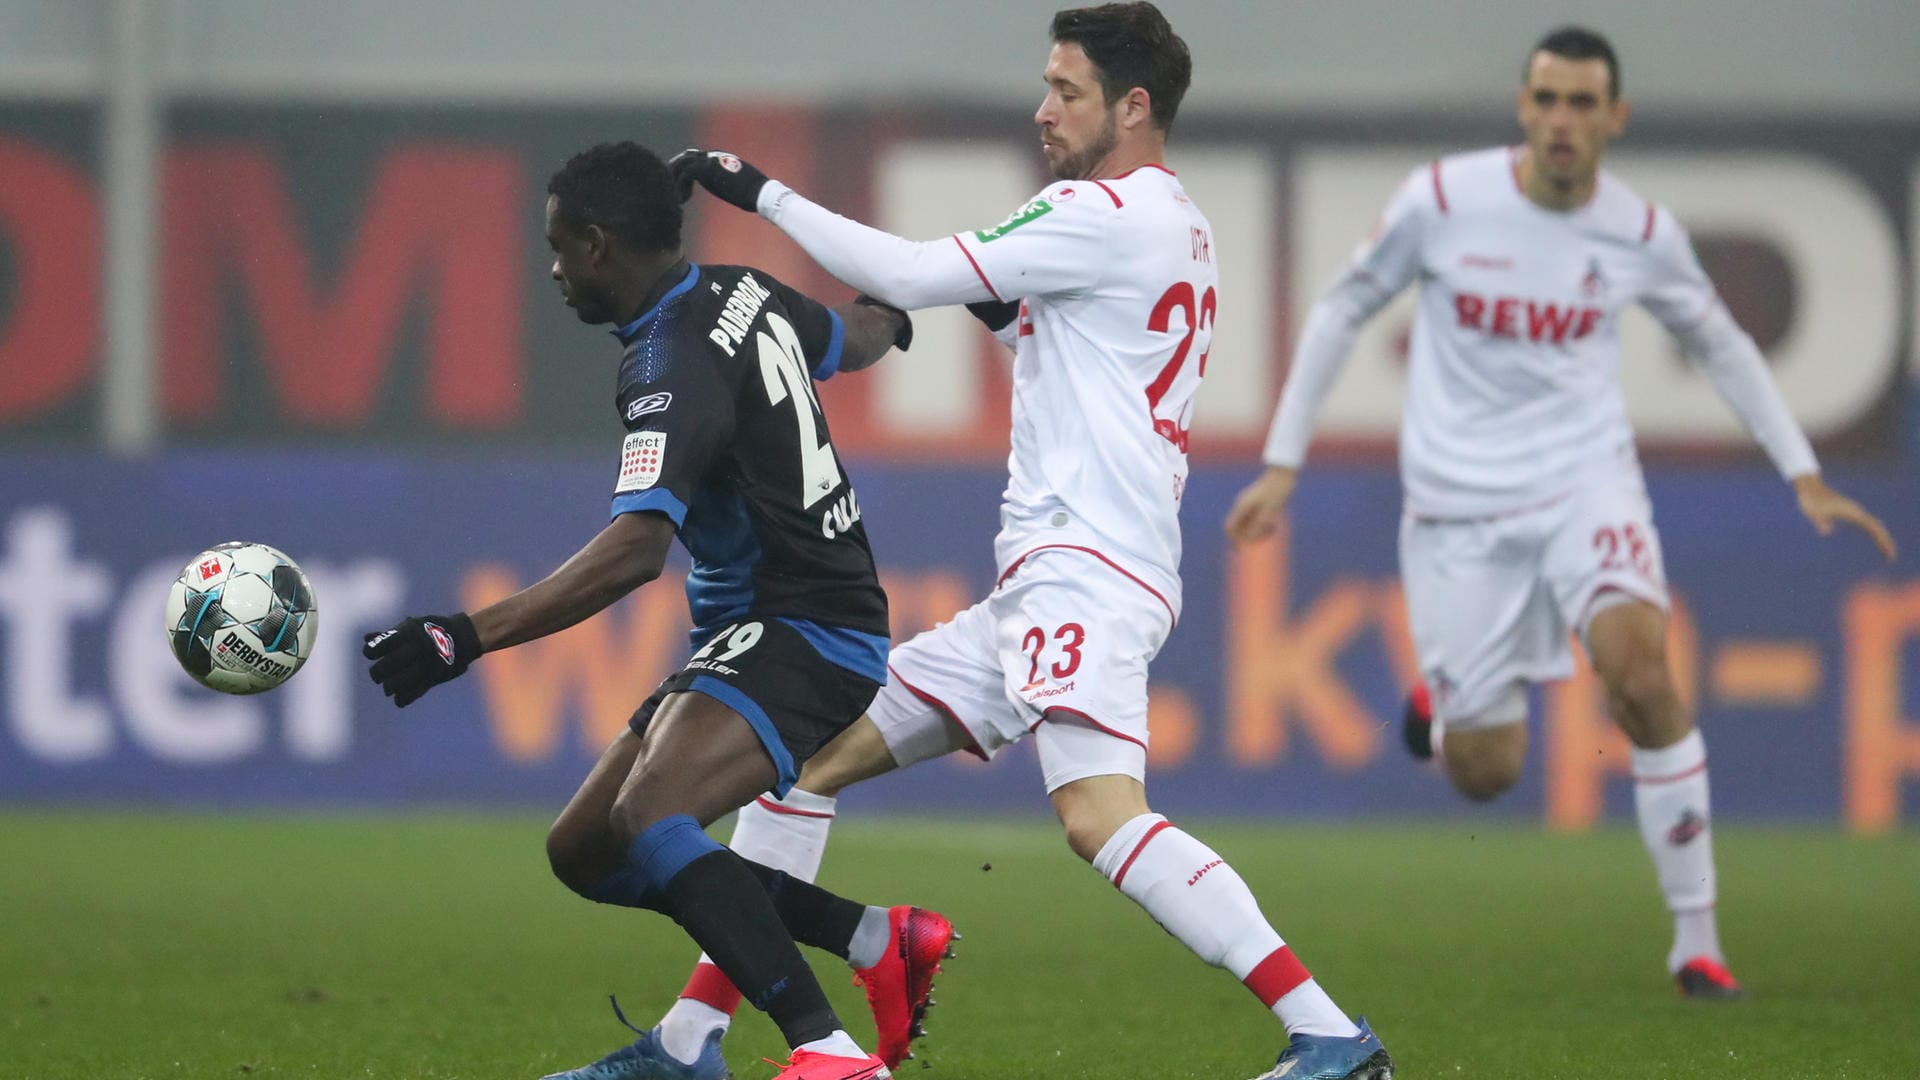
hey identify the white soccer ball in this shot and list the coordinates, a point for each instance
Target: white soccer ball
(241, 618)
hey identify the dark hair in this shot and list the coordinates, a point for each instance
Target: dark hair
(1131, 45)
(625, 189)
(1578, 43)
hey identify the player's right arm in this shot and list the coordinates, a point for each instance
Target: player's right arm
(625, 555)
(1386, 263)
(1050, 245)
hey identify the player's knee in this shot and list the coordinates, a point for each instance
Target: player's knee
(1484, 777)
(1643, 700)
(1086, 839)
(569, 858)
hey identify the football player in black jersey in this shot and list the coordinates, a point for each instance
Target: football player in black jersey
(726, 447)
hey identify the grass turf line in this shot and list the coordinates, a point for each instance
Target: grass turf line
(138, 945)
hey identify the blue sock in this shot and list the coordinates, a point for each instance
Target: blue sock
(654, 858)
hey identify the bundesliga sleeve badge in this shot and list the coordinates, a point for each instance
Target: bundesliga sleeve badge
(640, 458)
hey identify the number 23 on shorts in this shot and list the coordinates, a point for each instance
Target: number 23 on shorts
(1067, 640)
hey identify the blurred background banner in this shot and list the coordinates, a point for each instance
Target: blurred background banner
(1278, 694)
(347, 275)
(276, 272)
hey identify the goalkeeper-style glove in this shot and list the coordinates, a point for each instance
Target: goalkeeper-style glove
(726, 176)
(903, 337)
(420, 653)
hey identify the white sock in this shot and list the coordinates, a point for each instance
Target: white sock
(1195, 896)
(1670, 799)
(870, 938)
(686, 1027)
(838, 1044)
(787, 834)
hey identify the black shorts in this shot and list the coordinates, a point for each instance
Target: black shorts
(795, 699)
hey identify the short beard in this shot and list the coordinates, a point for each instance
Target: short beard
(1080, 166)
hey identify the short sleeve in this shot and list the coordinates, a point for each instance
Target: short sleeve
(1678, 291)
(819, 328)
(1053, 245)
(678, 422)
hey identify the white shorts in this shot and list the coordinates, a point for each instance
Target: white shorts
(1065, 638)
(1491, 601)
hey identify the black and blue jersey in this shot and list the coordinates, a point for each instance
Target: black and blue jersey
(727, 439)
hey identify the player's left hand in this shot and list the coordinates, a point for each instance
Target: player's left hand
(420, 653)
(1825, 506)
(903, 336)
(725, 175)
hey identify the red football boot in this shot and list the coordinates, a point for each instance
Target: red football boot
(898, 986)
(807, 1065)
(1706, 978)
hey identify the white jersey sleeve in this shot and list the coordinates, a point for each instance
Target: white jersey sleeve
(1681, 296)
(1386, 263)
(907, 274)
(1054, 245)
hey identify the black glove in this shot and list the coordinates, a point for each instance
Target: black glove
(994, 313)
(903, 337)
(721, 173)
(420, 654)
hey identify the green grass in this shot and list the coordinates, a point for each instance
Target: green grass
(433, 948)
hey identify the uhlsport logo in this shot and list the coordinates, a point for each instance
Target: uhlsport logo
(442, 642)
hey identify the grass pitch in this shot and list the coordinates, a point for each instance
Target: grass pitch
(137, 945)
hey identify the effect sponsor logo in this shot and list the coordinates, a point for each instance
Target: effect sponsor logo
(652, 403)
(442, 642)
(640, 457)
(1033, 211)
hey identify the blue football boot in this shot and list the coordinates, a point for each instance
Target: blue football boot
(1333, 1057)
(646, 1059)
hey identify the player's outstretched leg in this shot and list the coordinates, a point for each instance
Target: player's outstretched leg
(1627, 642)
(1199, 899)
(788, 834)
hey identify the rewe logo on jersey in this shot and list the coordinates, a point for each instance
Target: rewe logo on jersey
(1519, 318)
(1033, 211)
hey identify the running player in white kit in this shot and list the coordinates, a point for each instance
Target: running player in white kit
(1105, 286)
(1526, 515)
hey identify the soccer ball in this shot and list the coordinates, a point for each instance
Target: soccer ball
(241, 618)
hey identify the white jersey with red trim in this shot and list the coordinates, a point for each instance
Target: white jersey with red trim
(1513, 395)
(1117, 287)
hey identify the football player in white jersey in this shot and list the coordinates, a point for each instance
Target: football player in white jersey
(1526, 516)
(1105, 286)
